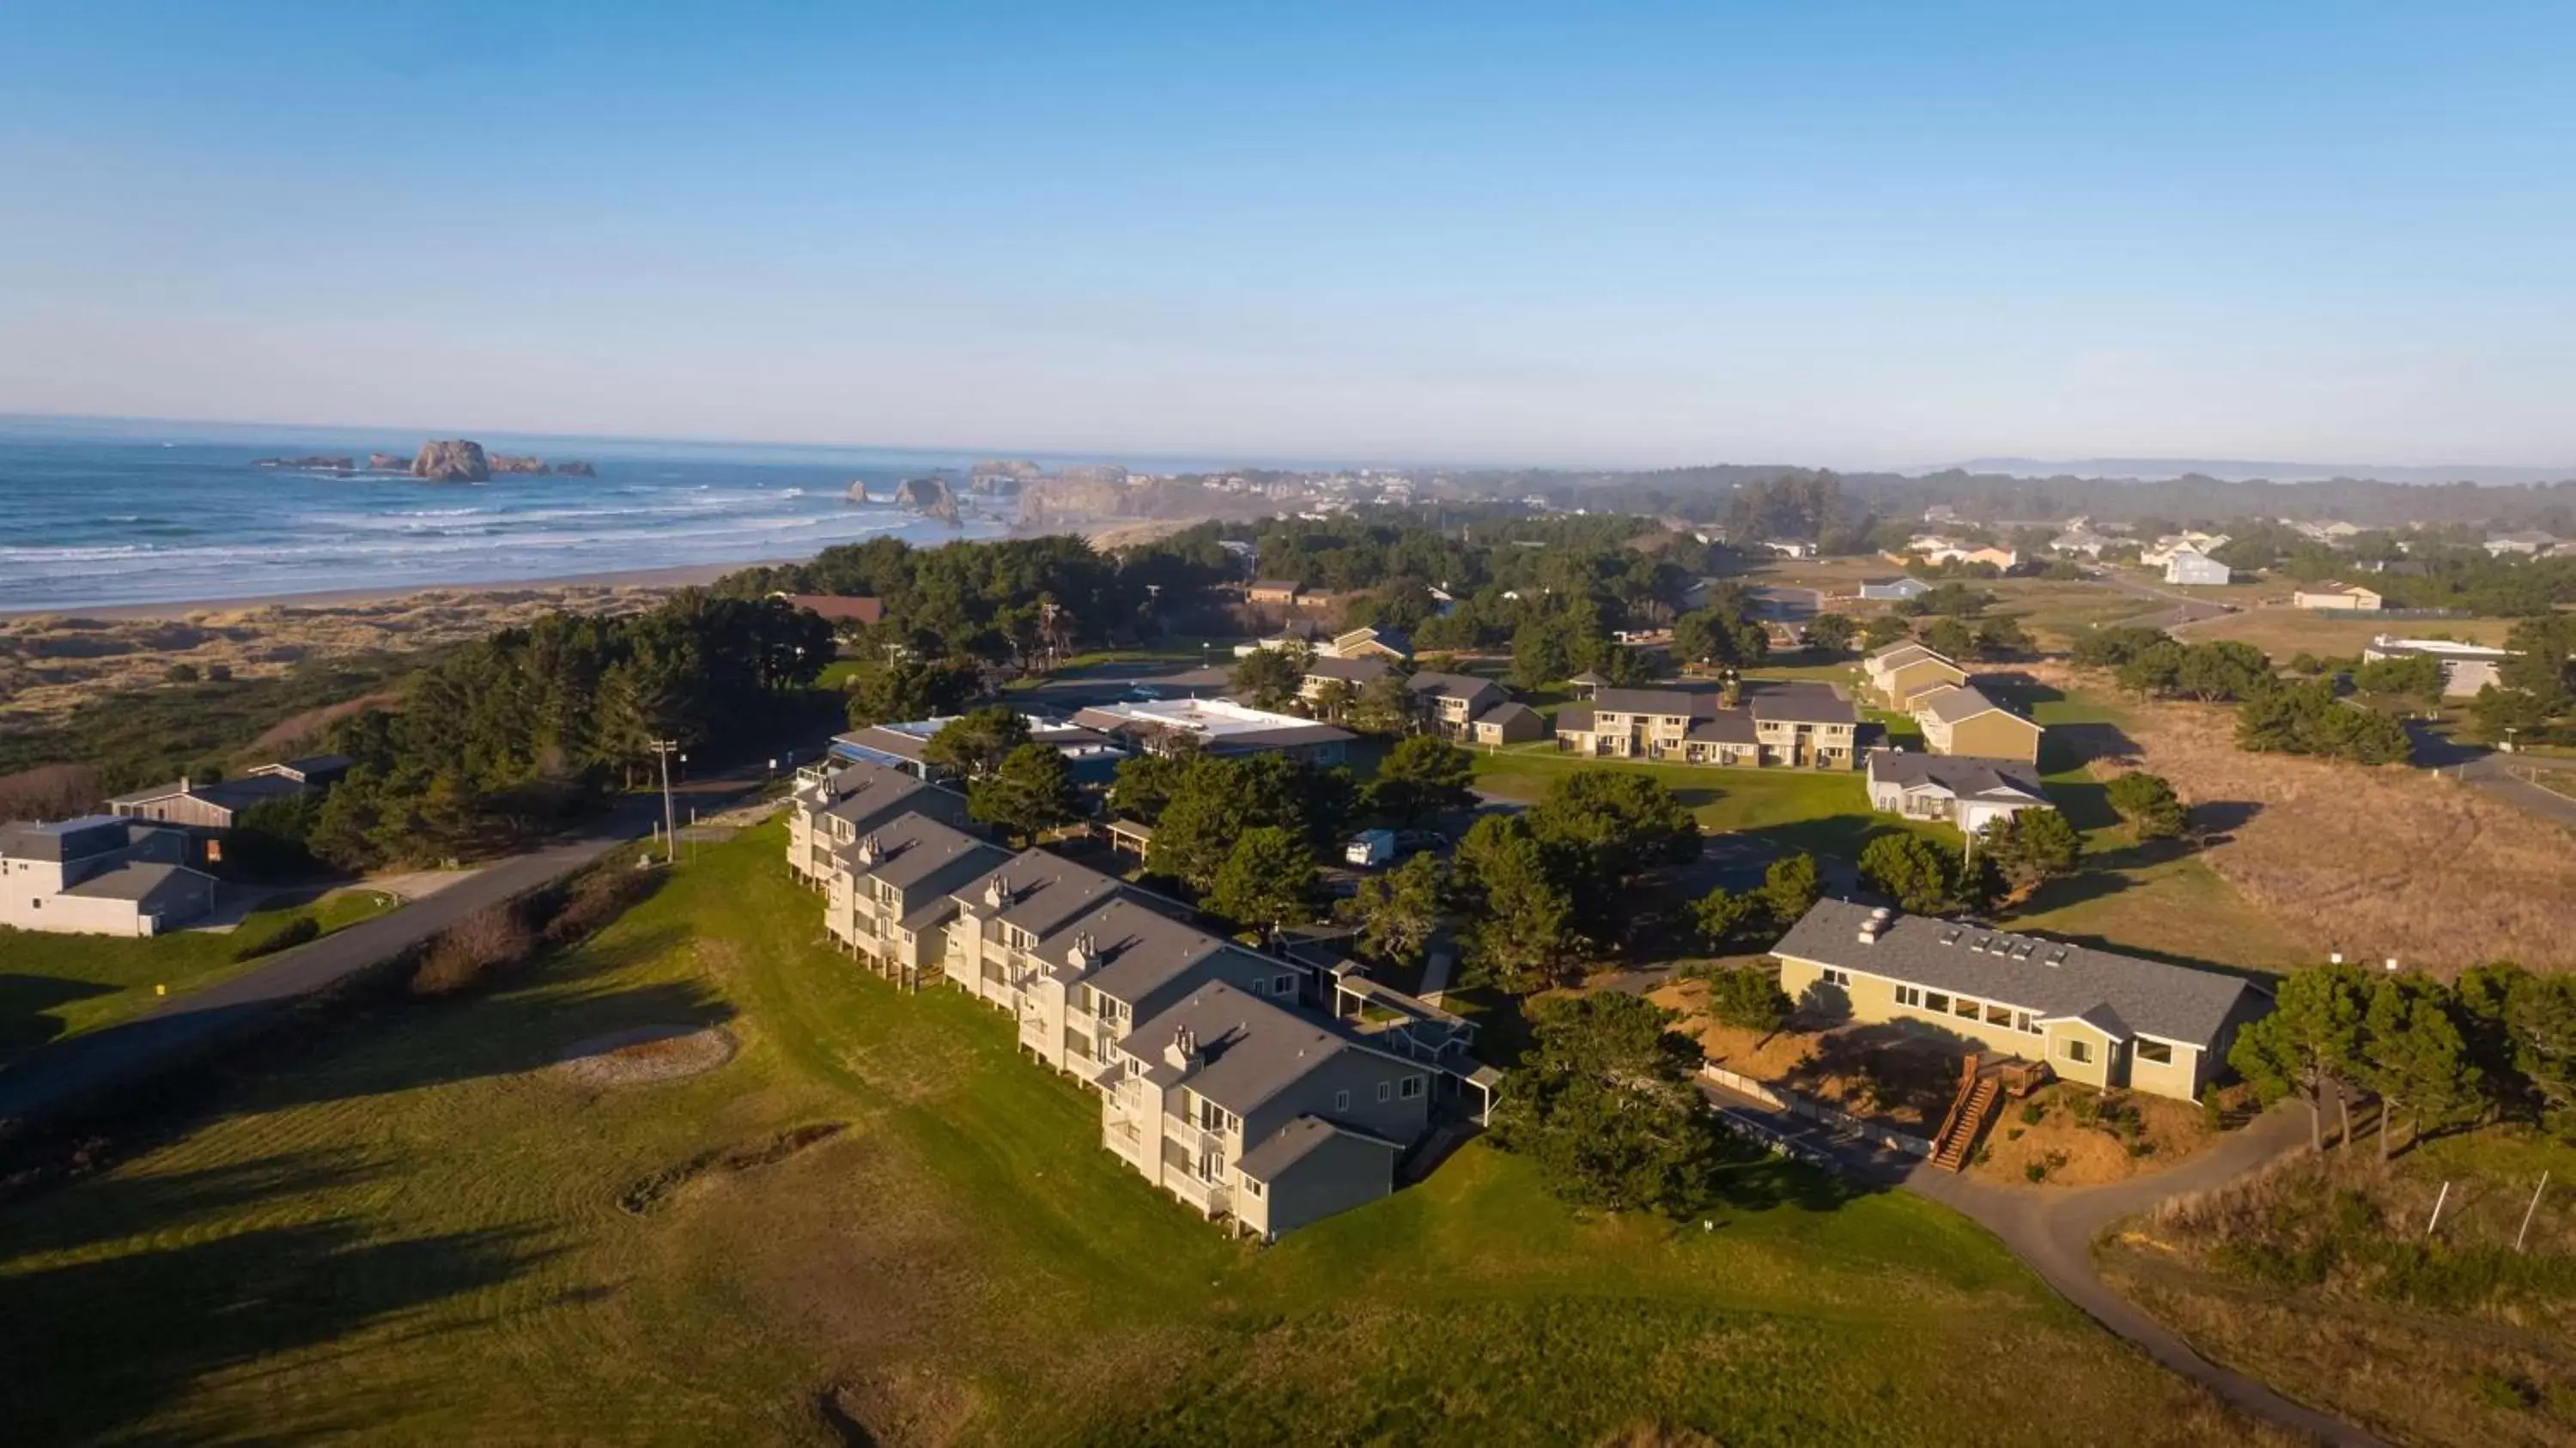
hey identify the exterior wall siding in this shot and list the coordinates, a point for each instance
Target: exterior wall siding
(1336, 1176)
(1994, 736)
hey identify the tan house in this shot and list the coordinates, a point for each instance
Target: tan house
(1273, 590)
(1370, 643)
(1450, 704)
(888, 901)
(2095, 1017)
(1325, 670)
(1902, 673)
(833, 804)
(1961, 720)
(1804, 725)
(99, 875)
(1250, 1086)
(2340, 596)
(1507, 723)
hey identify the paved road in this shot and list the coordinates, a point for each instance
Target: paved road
(2186, 610)
(2483, 768)
(69, 1073)
(2054, 1232)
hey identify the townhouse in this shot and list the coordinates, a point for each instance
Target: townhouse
(833, 804)
(889, 899)
(1957, 719)
(1804, 725)
(1903, 672)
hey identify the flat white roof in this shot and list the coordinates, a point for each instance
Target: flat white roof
(1210, 718)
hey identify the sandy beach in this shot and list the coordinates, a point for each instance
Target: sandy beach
(652, 578)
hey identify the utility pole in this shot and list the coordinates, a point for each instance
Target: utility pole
(663, 749)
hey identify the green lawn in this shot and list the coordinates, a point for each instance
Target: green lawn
(62, 985)
(1826, 812)
(416, 1235)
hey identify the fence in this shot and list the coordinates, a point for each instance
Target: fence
(1840, 1122)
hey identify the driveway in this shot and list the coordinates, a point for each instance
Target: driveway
(68, 1074)
(2054, 1231)
(2498, 774)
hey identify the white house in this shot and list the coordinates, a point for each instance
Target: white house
(1969, 792)
(99, 875)
(2189, 566)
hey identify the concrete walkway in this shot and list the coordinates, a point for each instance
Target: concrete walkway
(2054, 1231)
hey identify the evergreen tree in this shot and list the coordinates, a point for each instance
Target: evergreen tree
(2149, 804)
(975, 743)
(1520, 922)
(2415, 1059)
(1605, 1105)
(1397, 911)
(1420, 777)
(1030, 791)
(2030, 847)
(1916, 873)
(1267, 881)
(2309, 1042)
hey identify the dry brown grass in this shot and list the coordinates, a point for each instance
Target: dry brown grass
(2285, 632)
(491, 939)
(50, 664)
(2378, 862)
(2080, 1155)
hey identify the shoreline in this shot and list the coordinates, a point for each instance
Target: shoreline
(675, 576)
(1103, 533)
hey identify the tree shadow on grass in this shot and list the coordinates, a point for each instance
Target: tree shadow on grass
(2072, 746)
(134, 1203)
(97, 1346)
(24, 999)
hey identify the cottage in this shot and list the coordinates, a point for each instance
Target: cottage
(1902, 673)
(1274, 590)
(2095, 1017)
(1961, 720)
(2339, 597)
(1968, 792)
(1507, 723)
(1324, 670)
(99, 875)
(2186, 566)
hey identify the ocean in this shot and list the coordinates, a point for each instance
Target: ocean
(98, 513)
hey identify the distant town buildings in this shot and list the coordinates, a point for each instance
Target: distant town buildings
(1219, 726)
(2338, 597)
(2189, 566)
(1802, 725)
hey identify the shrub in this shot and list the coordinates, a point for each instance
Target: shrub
(285, 937)
(472, 949)
(2033, 1113)
(597, 897)
(2035, 1170)
(180, 673)
(220, 673)
(1747, 997)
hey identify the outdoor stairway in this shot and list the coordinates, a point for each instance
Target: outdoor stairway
(1979, 1093)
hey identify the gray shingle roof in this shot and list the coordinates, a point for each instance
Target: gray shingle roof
(1799, 702)
(2172, 1002)
(1138, 948)
(133, 881)
(1450, 686)
(1654, 701)
(1047, 891)
(1964, 775)
(1506, 715)
(911, 848)
(1576, 718)
(1350, 671)
(1249, 1050)
(1727, 726)
(1957, 702)
(72, 839)
(1287, 1146)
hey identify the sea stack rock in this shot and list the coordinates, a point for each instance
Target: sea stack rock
(931, 497)
(532, 467)
(456, 461)
(576, 469)
(387, 463)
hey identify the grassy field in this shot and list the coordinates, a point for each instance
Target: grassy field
(62, 985)
(2156, 899)
(2057, 612)
(2470, 1347)
(418, 1234)
(2285, 633)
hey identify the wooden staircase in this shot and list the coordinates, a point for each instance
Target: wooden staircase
(1979, 1093)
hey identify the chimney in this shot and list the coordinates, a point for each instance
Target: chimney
(1080, 956)
(1876, 925)
(996, 891)
(1183, 1052)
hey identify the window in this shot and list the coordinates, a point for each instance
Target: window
(2076, 1050)
(1999, 1015)
(2024, 1022)
(1341, 1101)
(1934, 1000)
(2155, 1052)
(1412, 1087)
(1283, 985)
(1252, 1188)
(1907, 995)
(1386, 1091)
(1964, 1008)
(1837, 977)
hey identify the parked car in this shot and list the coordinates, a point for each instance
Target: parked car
(1370, 847)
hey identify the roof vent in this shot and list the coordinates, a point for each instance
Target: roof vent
(1079, 957)
(997, 892)
(869, 849)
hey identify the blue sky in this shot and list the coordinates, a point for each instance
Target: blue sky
(1851, 233)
